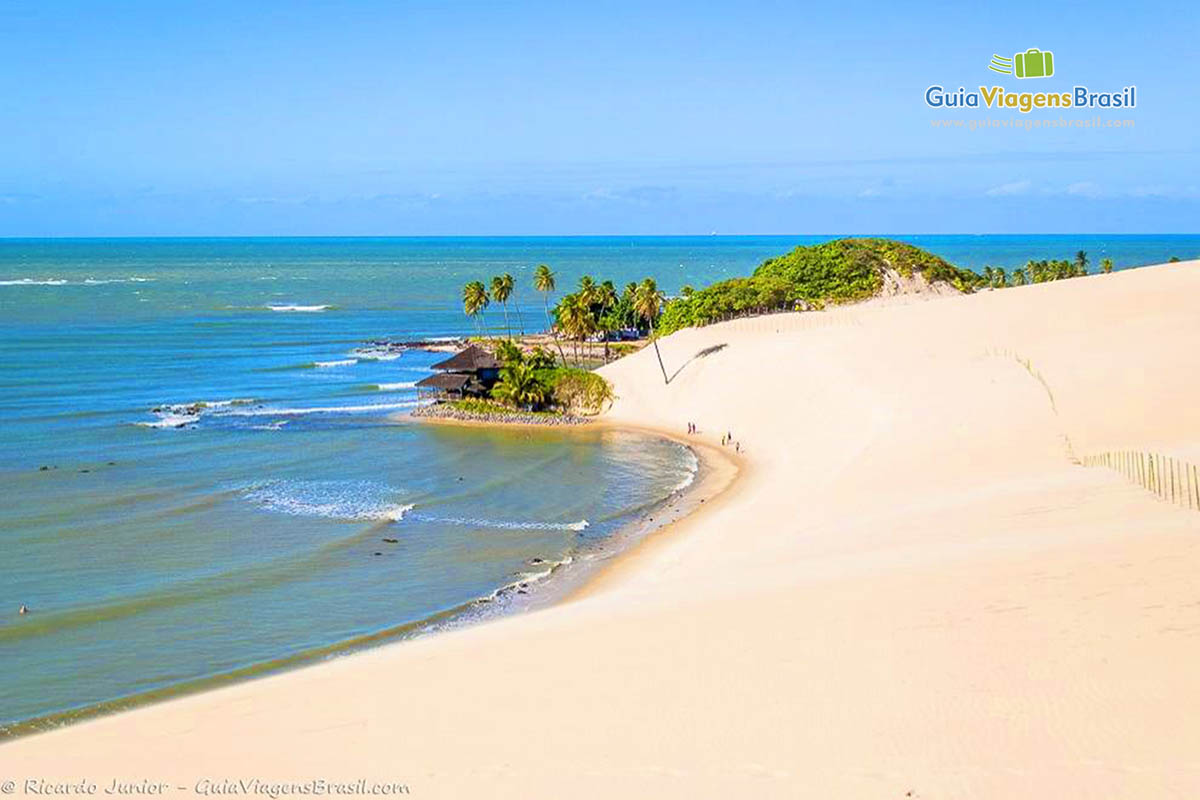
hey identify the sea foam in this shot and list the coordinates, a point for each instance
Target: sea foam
(65, 282)
(509, 526)
(299, 309)
(353, 501)
(291, 412)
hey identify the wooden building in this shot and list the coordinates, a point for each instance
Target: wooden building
(469, 373)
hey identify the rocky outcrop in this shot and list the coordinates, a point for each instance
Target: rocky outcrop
(498, 417)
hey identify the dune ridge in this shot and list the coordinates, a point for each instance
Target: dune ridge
(915, 587)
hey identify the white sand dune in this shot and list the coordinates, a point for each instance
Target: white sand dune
(912, 587)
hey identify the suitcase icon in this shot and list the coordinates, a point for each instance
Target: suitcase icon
(1034, 63)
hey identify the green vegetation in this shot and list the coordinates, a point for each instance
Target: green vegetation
(596, 308)
(579, 390)
(475, 300)
(472, 405)
(532, 382)
(502, 289)
(840, 271)
(845, 270)
(521, 387)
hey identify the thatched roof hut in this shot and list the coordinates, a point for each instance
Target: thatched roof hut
(470, 371)
(473, 359)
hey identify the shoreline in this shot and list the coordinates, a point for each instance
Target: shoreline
(562, 583)
(517, 419)
(721, 474)
(908, 589)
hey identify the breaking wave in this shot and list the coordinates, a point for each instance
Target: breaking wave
(509, 526)
(299, 309)
(291, 412)
(353, 501)
(66, 282)
(181, 415)
(377, 353)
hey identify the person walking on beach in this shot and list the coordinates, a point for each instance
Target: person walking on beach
(24, 609)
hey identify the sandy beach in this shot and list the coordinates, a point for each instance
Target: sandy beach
(912, 589)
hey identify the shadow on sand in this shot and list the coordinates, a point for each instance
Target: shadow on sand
(705, 353)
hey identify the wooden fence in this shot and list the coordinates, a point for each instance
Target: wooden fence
(1170, 478)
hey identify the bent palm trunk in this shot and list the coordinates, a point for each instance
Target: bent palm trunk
(658, 353)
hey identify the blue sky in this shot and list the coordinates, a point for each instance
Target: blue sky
(241, 118)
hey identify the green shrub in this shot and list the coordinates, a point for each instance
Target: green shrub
(578, 390)
(846, 270)
(839, 271)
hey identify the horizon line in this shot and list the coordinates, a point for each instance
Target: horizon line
(856, 234)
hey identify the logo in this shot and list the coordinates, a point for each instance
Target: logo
(1033, 63)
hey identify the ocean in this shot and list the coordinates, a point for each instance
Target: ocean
(202, 463)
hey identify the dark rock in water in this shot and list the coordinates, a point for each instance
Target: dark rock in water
(536, 560)
(522, 591)
(85, 470)
(378, 553)
(112, 463)
(390, 540)
(43, 468)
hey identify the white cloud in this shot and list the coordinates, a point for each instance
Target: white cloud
(1085, 189)
(1009, 189)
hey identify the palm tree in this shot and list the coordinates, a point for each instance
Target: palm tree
(520, 386)
(1019, 278)
(606, 295)
(508, 353)
(1081, 263)
(502, 289)
(1001, 277)
(647, 300)
(1106, 265)
(588, 289)
(575, 316)
(543, 281)
(475, 300)
(989, 277)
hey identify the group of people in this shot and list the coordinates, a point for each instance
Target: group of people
(727, 439)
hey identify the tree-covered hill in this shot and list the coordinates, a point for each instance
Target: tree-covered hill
(838, 271)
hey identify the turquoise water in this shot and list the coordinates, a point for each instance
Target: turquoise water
(162, 547)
